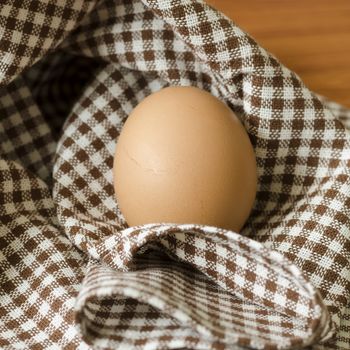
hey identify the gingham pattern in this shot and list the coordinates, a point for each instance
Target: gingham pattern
(24, 135)
(339, 111)
(75, 276)
(29, 29)
(56, 82)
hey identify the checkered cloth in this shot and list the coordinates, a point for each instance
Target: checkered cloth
(74, 275)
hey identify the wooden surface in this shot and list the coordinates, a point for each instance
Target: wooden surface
(311, 37)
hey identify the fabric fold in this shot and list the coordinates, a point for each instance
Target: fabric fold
(281, 283)
(32, 29)
(297, 165)
(236, 292)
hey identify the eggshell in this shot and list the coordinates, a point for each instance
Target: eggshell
(184, 157)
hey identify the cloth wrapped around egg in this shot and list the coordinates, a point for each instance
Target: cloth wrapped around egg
(75, 276)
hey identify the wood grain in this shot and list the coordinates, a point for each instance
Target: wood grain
(311, 37)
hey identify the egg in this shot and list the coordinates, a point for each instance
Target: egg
(184, 157)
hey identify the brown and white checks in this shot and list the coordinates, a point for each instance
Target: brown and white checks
(74, 276)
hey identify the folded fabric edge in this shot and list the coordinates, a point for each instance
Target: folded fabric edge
(281, 287)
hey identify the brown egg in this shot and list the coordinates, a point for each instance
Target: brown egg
(184, 157)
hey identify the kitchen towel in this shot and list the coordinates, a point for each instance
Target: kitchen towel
(74, 275)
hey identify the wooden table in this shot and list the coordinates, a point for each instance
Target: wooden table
(311, 37)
